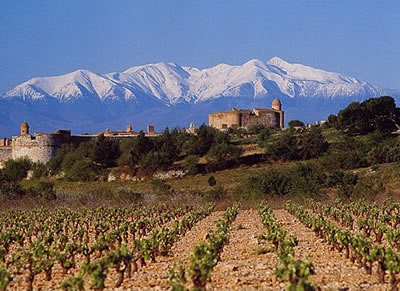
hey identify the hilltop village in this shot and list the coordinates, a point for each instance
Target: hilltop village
(41, 146)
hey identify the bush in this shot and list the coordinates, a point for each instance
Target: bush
(44, 190)
(211, 181)
(302, 179)
(263, 137)
(291, 147)
(296, 123)
(160, 187)
(16, 170)
(217, 193)
(10, 189)
(154, 161)
(82, 170)
(190, 164)
(40, 170)
(223, 152)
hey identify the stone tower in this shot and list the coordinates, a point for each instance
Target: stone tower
(129, 129)
(24, 128)
(276, 104)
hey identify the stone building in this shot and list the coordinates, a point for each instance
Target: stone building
(244, 118)
(40, 147)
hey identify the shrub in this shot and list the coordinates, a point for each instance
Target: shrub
(40, 170)
(296, 123)
(155, 160)
(222, 152)
(82, 170)
(302, 179)
(160, 187)
(16, 170)
(217, 193)
(263, 136)
(190, 164)
(211, 181)
(44, 190)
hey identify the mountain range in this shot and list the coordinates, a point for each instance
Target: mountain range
(166, 94)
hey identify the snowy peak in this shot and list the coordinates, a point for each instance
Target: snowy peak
(172, 84)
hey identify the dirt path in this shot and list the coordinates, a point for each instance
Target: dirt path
(155, 275)
(333, 270)
(240, 268)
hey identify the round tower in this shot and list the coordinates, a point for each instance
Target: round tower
(276, 104)
(24, 128)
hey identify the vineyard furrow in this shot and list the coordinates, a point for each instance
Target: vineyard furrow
(240, 267)
(332, 270)
(155, 275)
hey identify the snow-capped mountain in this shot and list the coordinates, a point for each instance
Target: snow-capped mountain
(169, 94)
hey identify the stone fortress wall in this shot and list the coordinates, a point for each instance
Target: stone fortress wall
(40, 147)
(245, 118)
(5, 155)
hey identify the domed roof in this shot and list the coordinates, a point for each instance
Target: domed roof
(24, 124)
(276, 101)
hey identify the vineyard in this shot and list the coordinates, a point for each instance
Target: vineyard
(340, 246)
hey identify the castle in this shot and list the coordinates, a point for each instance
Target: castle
(41, 147)
(244, 118)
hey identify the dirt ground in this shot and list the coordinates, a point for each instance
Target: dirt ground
(240, 267)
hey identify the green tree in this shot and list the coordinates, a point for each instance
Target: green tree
(105, 151)
(374, 114)
(190, 164)
(296, 123)
(140, 146)
(222, 152)
(311, 144)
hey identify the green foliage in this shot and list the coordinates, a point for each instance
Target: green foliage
(284, 148)
(263, 137)
(332, 121)
(311, 144)
(160, 187)
(44, 190)
(177, 277)
(291, 146)
(374, 114)
(16, 170)
(222, 152)
(73, 284)
(40, 170)
(105, 151)
(5, 278)
(82, 170)
(190, 164)
(155, 160)
(256, 129)
(302, 179)
(296, 123)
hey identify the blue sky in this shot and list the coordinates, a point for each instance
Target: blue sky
(360, 38)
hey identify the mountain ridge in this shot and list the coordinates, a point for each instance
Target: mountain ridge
(93, 100)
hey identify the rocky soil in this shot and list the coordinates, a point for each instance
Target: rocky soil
(241, 267)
